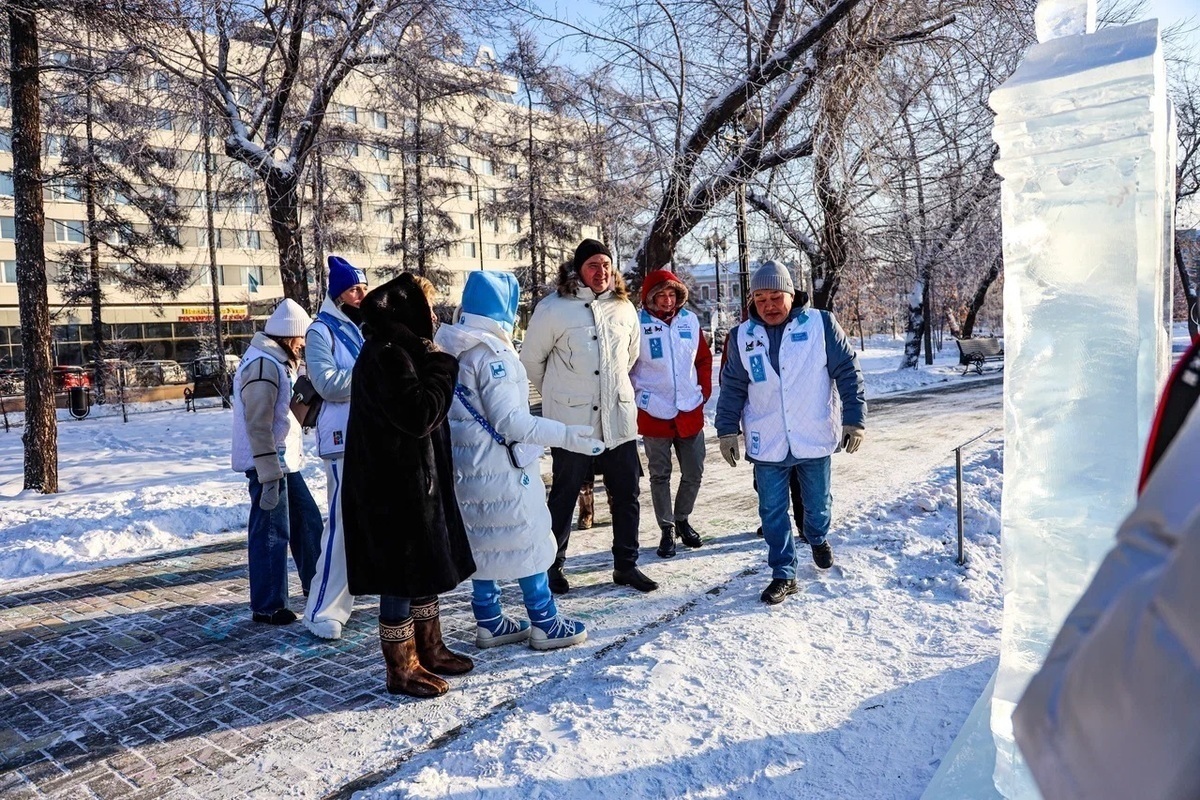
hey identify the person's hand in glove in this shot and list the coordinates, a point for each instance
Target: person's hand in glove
(580, 440)
(852, 437)
(729, 448)
(269, 475)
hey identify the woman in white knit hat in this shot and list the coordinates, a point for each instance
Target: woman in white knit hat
(267, 447)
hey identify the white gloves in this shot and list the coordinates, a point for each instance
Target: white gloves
(579, 440)
(729, 448)
(852, 437)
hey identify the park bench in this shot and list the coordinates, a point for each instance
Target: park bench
(974, 353)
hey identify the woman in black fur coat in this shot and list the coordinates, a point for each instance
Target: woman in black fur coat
(404, 536)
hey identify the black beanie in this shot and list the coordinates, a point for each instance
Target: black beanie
(586, 249)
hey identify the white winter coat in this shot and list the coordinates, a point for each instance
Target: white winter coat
(503, 507)
(330, 366)
(578, 351)
(1115, 710)
(262, 420)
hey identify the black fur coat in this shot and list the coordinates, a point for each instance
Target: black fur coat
(403, 531)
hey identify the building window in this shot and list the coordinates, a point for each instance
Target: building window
(381, 153)
(65, 191)
(468, 221)
(493, 251)
(350, 149)
(344, 113)
(68, 232)
(163, 120)
(115, 271)
(5, 96)
(5, 142)
(468, 249)
(384, 216)
(158, 80)
(381, 182)
(354, 211)
(8, 271)
(7, 229)
(487, 167)
(704, 293)
(510, 171)
(379, 119)
(55, 145)
(6, 184)
(120, 235)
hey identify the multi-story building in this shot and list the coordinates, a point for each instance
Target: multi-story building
(248, 276)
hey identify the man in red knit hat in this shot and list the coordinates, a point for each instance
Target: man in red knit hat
(672, 379)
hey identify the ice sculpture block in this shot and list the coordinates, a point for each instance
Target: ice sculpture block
(1084, 129)
(1087, 153)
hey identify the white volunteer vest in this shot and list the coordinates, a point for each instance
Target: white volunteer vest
(794, 410)
(332, 418)
(664, 376)
(286, 430)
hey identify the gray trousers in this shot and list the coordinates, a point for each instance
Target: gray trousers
(690, 452)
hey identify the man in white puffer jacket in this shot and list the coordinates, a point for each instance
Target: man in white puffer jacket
(580, 346)
(331, 347)
(497, 446)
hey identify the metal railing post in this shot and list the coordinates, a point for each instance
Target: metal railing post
(962, 552)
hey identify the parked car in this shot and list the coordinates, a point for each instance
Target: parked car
(159, 373)
(12, 382)
(207, 379)
(69, 377)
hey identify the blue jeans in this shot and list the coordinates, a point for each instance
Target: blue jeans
(773, 497)
(294, 523)
(539, 602)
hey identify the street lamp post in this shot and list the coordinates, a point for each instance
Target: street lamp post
(716, 247)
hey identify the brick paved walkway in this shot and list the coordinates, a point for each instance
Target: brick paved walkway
(149, 679)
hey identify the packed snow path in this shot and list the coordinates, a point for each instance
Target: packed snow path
(149, 680)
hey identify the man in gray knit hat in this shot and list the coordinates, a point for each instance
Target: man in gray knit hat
(778, 392)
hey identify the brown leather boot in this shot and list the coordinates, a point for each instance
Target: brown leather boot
(405, 675)
(432, 651)
(587, 506)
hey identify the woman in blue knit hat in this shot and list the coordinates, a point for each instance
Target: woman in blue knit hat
(331, 347)
(497, 445)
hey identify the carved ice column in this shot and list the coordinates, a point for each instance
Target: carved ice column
(1087, 157)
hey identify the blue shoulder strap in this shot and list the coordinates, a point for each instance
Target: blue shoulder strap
(352, 343)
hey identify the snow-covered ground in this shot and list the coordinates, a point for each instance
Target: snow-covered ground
(162, 480)
(854, 688)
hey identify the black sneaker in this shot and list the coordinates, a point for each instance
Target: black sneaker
(635, 578)
(284, 616)
(558, 581)
(778, 590)
(687, 534)
(666, 545)
(822, 555)
(759, 531)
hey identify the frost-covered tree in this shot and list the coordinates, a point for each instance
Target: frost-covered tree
(105, 112)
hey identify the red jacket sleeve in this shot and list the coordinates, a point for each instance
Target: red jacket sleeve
(704, 368)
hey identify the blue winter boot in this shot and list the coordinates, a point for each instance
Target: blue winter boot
(492, 627)
(550, 630)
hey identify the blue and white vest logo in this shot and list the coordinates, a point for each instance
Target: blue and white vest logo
(656, 348)
(755, 443)
(799, 336)
(685, 333)
(758, 372)
(498, 370)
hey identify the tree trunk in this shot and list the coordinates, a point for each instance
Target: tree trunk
(93, 249)
(915, 329)
(41, 424)
(927, 318)
(214, 273)
(419, 180)
(318, 229)
(985, 283)
(284, 208)
(1189, 292)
